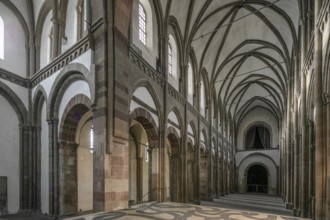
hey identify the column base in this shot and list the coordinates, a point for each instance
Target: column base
(289, 206)
(296, 212)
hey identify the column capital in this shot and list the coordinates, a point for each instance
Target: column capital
(67, 145)
(52, 121)
(298, 136)
(309, 123)
(325, 98)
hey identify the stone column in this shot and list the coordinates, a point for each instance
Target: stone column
(139, 178)
(319, 142)
(311, 151)
(296, 150)
(53, 167)
(25, 164)
(327, 103)
(197, 170)
(68, 177)
(304, 145)
(150, 196)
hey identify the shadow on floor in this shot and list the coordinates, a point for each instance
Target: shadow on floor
(21, 216)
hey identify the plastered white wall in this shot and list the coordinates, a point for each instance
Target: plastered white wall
(135, 105)
(272, 153)
(20, 91)
(10, 152)
(144, 95)
(22, 7)
(172, 116)
(149, 51)
(44, 162)
(70, 25)
(47, 84)
(77, 87)
(15, 53)
(36, 9)
(45, 44)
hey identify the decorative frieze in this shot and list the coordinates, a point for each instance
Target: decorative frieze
(61, 61)
(326, 98)
(11, 77)
(176, 95)
(146, 68)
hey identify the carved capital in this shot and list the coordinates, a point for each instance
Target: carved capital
(326, 98)
(298, 136)
(312, 147)
(309, 123)
(52, 121)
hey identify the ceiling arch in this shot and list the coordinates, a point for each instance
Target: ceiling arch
(245, 47)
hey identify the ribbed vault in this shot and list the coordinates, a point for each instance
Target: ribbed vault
(246, 47)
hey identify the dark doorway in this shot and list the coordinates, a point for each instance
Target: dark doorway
(257, 179)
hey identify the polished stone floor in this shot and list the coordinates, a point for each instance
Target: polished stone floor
(230, 207)
(179, 211)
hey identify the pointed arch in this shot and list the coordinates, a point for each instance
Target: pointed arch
(152, 92)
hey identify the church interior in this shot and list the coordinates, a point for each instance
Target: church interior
(111, 104)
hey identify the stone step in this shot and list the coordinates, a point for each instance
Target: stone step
(252, 202)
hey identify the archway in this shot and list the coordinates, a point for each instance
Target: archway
(257, 179)
(139, 160)
(190, 171)
(76, 157)
(144, 154)
(174, 167)
(203, 173)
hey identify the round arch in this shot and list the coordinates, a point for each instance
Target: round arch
(255, 159)
(257, 123)
(67, 76)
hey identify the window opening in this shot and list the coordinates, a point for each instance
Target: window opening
(170, 64)
(2, 39)
(91, 139)
(142, 24)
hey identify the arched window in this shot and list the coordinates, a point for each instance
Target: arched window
(257, 137)
(91, 134)
(142, 24)
(80, 10)
(50, 46)
(190, 84)
(2, 39)
(170, 62)
(202, 99)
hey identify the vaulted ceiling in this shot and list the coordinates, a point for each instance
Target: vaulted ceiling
(246, 47)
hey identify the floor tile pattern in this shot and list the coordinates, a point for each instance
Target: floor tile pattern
(179, 211)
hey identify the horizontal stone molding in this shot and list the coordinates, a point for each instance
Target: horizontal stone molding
(13, 78)
(61, 61)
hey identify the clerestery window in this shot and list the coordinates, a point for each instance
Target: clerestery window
(2, 39)
(170, 65)
(142, 24)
